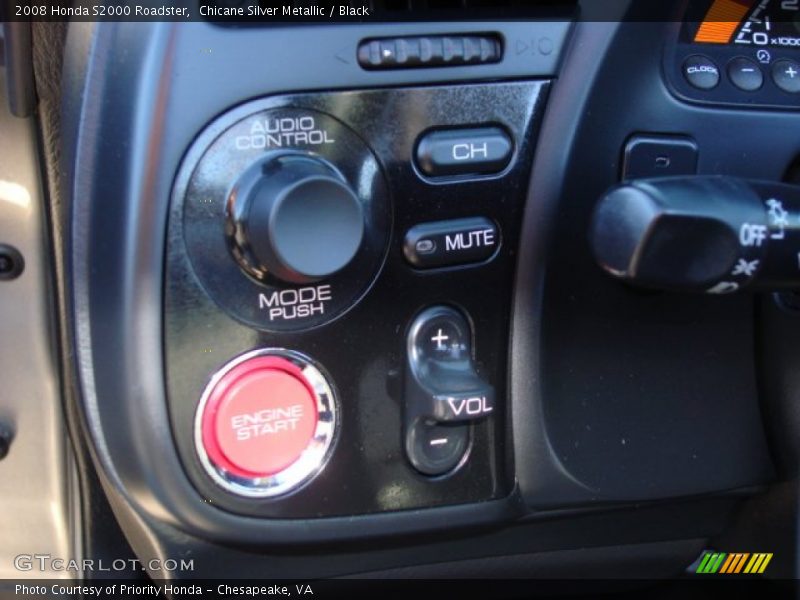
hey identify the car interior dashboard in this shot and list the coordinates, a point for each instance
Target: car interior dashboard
(401, 289)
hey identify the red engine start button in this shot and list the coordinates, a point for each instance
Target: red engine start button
(259, 417)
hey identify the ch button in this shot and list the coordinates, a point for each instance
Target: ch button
(477, 151)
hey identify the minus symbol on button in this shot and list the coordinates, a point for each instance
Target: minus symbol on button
(438, 442)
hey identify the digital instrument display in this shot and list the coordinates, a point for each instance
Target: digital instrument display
(769, 23)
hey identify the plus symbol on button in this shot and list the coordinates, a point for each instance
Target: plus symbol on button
(791, 72)
(439, 338)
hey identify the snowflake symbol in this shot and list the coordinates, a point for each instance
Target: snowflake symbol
(745, 267)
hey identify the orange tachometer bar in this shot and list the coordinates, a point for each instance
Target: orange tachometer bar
(722, 20)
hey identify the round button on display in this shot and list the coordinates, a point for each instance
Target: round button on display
(265, 423)
(745, 74)
(701, 72)
(786, 75)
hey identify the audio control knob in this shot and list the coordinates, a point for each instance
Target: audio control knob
(294, 217)
(283, 231)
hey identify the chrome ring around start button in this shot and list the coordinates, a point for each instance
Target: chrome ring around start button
(311, 460)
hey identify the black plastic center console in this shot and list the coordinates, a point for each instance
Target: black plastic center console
(353, 323)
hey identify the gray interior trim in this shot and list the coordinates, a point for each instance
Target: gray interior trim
(37, 478)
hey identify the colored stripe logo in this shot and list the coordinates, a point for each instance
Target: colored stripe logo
(734, 563)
